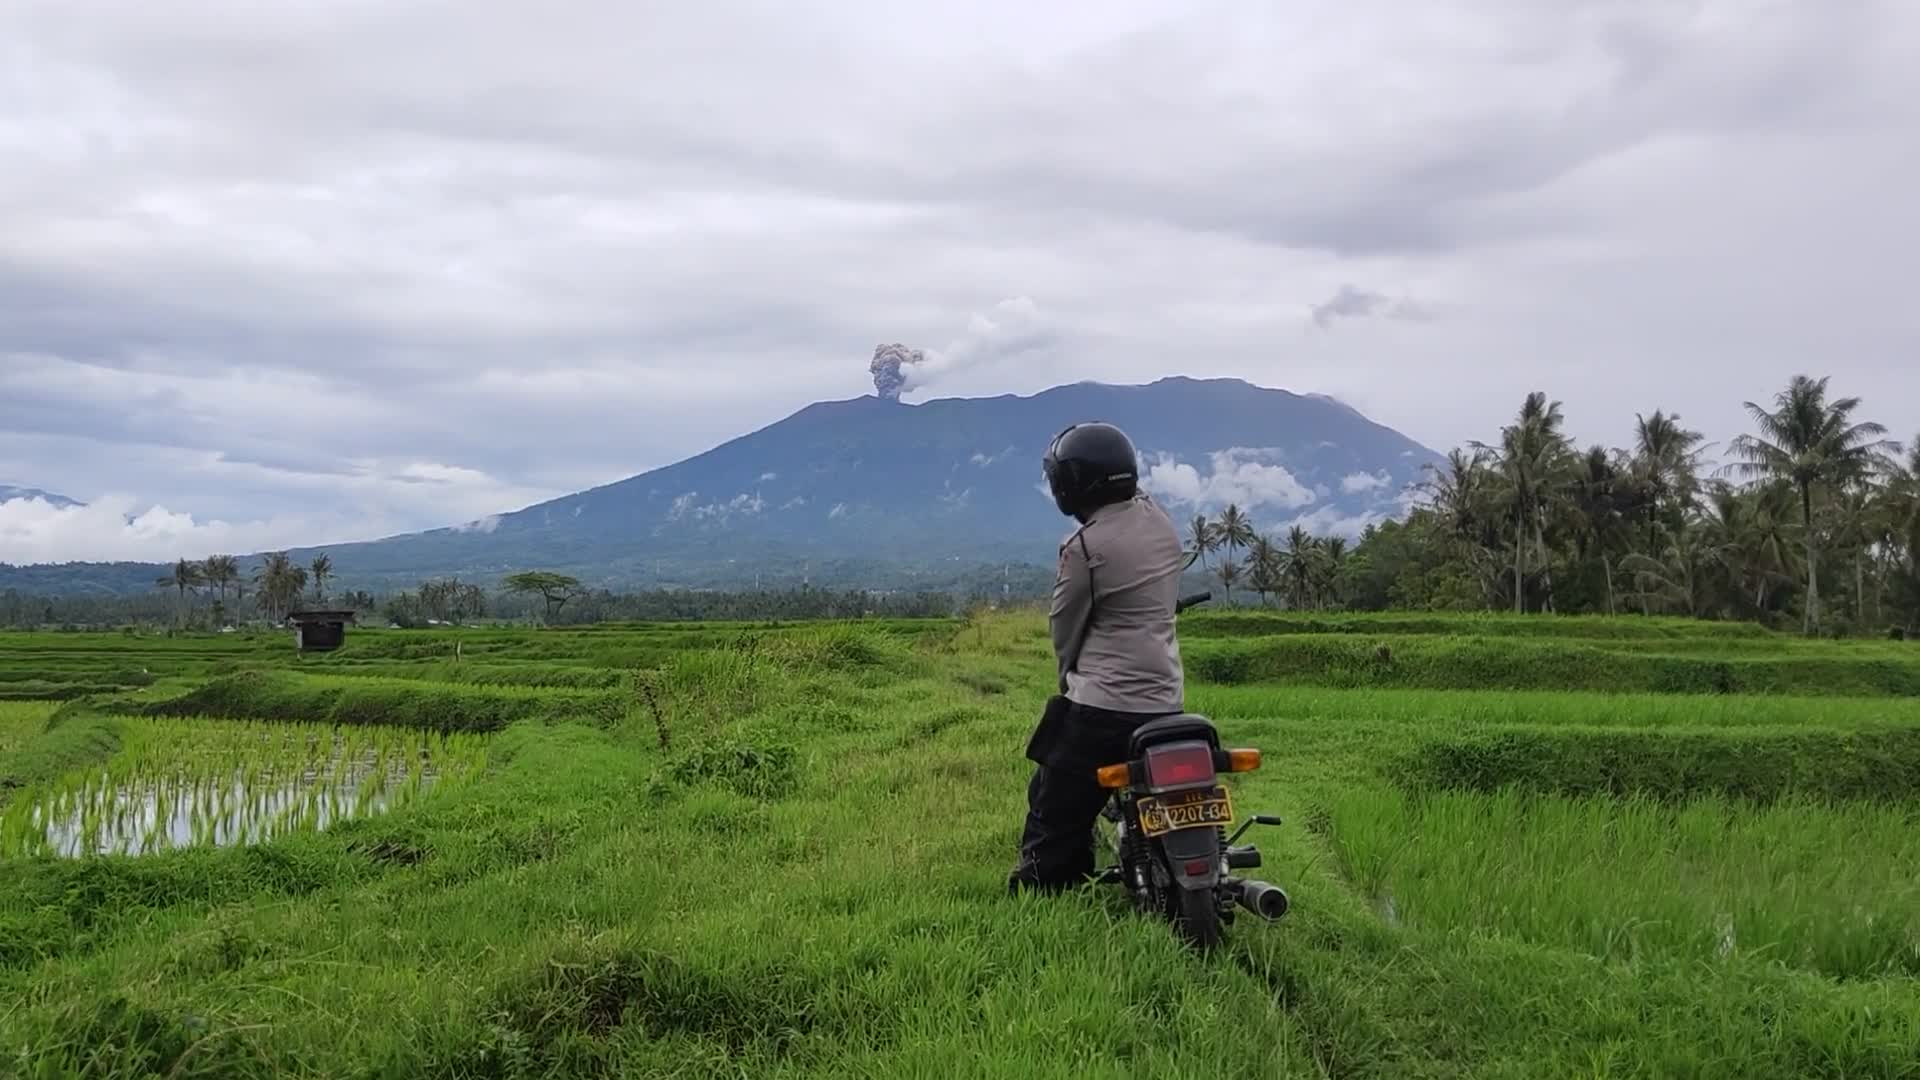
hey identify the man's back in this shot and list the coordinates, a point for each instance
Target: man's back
(1115, 597)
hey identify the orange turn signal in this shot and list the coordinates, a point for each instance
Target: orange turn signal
(1113, 776)
(1243, 760)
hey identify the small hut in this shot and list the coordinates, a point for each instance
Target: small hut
(319, 631)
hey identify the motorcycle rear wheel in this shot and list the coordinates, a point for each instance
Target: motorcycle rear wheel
(1196, 917)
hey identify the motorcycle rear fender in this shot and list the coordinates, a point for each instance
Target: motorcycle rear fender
(1192, 845)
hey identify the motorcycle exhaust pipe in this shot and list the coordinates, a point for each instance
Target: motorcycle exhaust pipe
(1267, 901)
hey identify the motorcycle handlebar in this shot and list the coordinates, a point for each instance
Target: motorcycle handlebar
(1188, 601)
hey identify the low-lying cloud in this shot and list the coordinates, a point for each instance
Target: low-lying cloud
(1361, 482)
(117, 527)
(688, 505)
(1238, 476)
(353, 500)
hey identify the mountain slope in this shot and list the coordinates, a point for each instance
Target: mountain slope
(878, 492)
(8, 493)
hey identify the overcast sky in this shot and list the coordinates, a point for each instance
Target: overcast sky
(304, 272)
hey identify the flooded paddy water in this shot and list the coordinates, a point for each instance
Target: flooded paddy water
(200, 782)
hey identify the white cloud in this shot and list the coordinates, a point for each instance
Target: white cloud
(1357, 483)
(688, 504)
(115, 527)
(1332, 521)
(839, 510)
(354, 500)
(766, 476)
(1237, 476)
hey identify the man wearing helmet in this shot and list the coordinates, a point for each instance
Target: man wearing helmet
(1113, 636)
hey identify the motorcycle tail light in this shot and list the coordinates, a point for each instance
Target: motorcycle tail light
(1179, 765)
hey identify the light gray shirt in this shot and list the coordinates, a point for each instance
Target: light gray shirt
(1113, 610)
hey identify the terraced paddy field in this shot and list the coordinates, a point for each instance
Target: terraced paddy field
(1517, 848)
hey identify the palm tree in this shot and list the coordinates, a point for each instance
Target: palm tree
(1461, 496)
(1235, 530)
(1752, 527)
(1229, 573)
(1332, 563)
(1814, 444)
(1265, 562)
(1855, 513)
(1668, 457)
(1597, 501)
(322, 570)
(221, 571)
(184, 575)
(1204, 536)
(1903, 526)
(1297, 567)
(279, 583)
(1678, 577)
(1532, 460)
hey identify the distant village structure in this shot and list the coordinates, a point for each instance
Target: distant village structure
(319, 631)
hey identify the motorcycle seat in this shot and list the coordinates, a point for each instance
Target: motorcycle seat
(1172, 729)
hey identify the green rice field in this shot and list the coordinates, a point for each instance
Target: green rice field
(1517, 847)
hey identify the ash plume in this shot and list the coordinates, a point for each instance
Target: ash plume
(1010, 327)
(888, 360)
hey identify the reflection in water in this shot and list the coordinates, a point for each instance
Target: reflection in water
(227, 791)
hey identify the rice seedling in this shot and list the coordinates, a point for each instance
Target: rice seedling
(199, 782)
(20, 721)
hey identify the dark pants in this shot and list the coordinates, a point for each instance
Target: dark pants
(1064, 798)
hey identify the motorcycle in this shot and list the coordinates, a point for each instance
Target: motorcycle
(1169, 816)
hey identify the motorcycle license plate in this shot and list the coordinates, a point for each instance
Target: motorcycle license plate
(1203, 808)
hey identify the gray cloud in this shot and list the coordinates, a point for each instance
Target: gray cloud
(264, 263)
(1352, 302)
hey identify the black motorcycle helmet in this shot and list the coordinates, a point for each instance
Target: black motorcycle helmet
(1090, 465)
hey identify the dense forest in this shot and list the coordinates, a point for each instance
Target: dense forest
(1812, 522)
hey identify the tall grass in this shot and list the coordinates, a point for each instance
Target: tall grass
(1835, 889)
(21, 721)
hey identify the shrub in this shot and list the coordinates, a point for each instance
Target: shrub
(756, 765)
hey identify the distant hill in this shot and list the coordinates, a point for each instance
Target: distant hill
(881, 493)
(8, 493)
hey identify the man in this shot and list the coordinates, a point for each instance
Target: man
(1113, 637)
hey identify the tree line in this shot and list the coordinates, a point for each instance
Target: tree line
(451, 601)
(278, 585)
(1813, 522)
